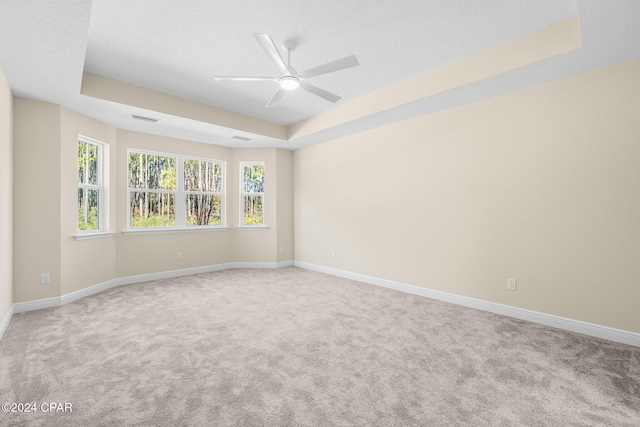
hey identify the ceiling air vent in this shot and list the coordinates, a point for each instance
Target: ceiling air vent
(240, 138)
(144, 119)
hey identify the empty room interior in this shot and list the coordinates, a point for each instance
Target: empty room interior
(371, 213)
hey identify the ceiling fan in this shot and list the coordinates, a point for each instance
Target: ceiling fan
(291, 79)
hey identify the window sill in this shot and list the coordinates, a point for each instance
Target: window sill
(98, 235)
(252, 227)
(172, 230)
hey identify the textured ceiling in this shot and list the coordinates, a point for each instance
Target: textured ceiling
(177, 47)
(171, 47)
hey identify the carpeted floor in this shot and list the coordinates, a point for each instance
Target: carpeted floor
(291, 347)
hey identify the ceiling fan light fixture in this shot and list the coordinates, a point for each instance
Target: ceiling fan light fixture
(290, 79)
(289, 82)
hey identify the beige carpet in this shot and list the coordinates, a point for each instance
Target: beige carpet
(297, 348)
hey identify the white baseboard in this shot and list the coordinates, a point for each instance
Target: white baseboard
(280, 264)
(255, 265)
(21, 307)
(585, 328)
(173, 273)
(283, 264)
(74, 296)
(5, 322)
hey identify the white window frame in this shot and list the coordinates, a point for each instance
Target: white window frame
(99, 186)
(180, 196)
(243, 194)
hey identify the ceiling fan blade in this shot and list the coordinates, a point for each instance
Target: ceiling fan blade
(246, 79)
(330, 67)
(275, 99)
(270, 48)
(331, 97)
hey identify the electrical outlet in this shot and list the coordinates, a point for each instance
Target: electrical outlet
(45, 278)
(333, 254)
(178, 255)
(281, 249)
(511, 284)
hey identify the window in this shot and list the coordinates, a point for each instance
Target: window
(252, 193)
(203, 191)
(174, 191)
(90, 186)
(152, 190)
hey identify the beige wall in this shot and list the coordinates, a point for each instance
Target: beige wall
(45, 208)
(116, 91)
(541, 185)
(36, 199)
(151, 253)
(255, 245)
(537, 46)
(84, 262)
(6, 197)
(284, 207)
(45, 216)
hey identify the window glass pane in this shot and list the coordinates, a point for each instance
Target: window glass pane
(191, 177)
(203, 209)
(168, 175)
(160, 172)
(202, 176)
(217, 181)
(253, 177)
(152, 209)
(253, 210)
(135, 170)
(88, 209)
(92, 164)
(82, 161)
(151, 171)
